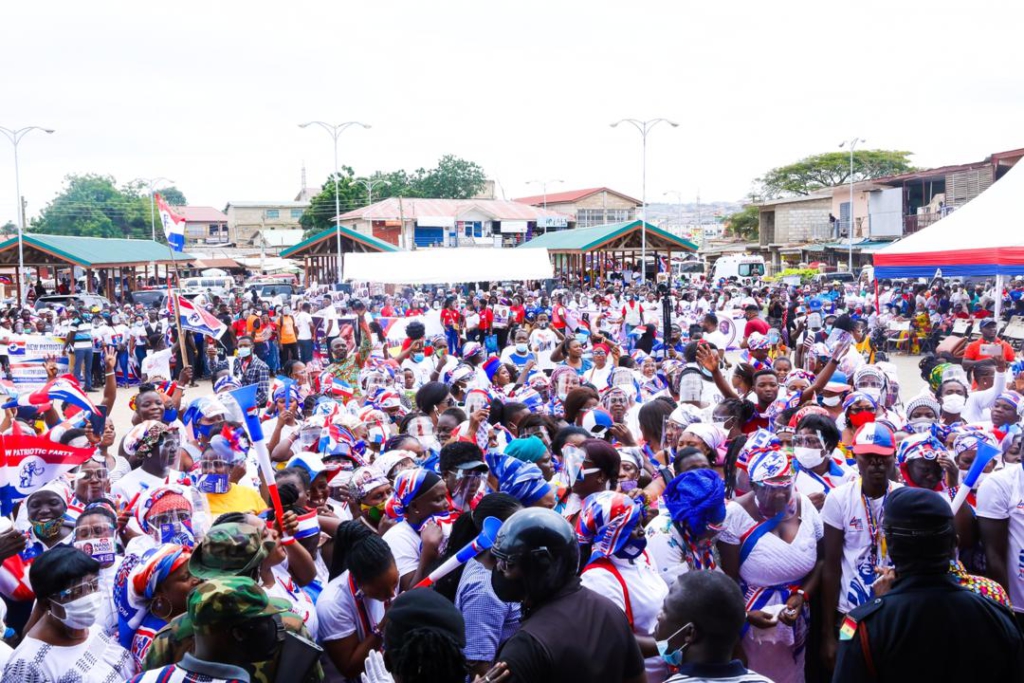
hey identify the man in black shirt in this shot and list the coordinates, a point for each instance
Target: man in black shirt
(568, 632)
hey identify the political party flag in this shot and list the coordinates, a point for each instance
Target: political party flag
(63, 388)
(196, 319)
(30, 462)
(174, 225)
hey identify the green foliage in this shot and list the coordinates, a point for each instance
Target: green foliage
(830, 169)
(744, 223)
(9, 229)
(453, 178)
(92, 205)
(173, 196)
(806, 274)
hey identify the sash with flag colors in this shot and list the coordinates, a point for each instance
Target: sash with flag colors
(174, 225)
(196, 319)
(30, 462)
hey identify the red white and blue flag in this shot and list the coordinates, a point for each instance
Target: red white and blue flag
(196, 319)
(174, 225)
(63, 388)
(30, 462)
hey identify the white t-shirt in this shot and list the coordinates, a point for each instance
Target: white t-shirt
(157, 364)
(543, 342)
(116, 335)
(844, 510)
(1001, 496)
(405, 545)
(597, 376)
(285, 588)
(647, 592)
(97, 660)
(303, 326)
(338, 614)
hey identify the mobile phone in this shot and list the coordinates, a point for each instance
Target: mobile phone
(98, 420)
(992, 350)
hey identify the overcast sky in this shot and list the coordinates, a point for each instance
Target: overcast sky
(210, 93)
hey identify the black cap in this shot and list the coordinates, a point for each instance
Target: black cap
(917, 509)
(751, 307)
(424, 608)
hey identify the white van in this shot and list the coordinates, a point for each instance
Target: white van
(213, 285)
(743, 267)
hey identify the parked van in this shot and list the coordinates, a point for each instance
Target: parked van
(214, 285)
(742, 267)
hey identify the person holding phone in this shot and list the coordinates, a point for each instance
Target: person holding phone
(989, 345)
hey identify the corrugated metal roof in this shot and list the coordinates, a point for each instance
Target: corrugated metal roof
(201, 214)
(569, 196)
(267, 205)
(412, 209)
(91, 252)
(330, 233)
(586, 239)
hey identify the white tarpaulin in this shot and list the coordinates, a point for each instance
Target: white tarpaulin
(439, 266)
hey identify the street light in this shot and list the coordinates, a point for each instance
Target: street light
(15, 136)
(644, 127)
(849, 229)
(369, 184)
(544, 187)
(335, 130)
(151, 183)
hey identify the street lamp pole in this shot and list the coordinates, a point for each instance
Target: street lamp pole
(15, 136)
(849, 229)
(544, 187)
(335, 130)
(151, 184)
(644, 127)
(369, 184)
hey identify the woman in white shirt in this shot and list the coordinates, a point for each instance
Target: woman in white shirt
(65, 644)
(350, 610)
(619, 568)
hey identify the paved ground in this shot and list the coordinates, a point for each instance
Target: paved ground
(910, 385)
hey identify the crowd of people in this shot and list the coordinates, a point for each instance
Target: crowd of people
(694, 481)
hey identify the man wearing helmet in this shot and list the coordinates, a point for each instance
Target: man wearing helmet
(568, 632)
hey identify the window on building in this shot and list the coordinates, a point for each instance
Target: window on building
(618, 215)
(214, 229)
(296, 213)
(273, 213)
(586, 218)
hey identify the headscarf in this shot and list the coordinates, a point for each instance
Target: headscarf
(204, 406)
(386, 461)
(969, 439)
(491, 367)
(606, 522)
(136, 585)
(366, 479)
(797, 374)
(694, 499)
(935, 376)
(857, 397)
(1013, 398)
(710, 434)
(758, 342)
(409, 485)
(869, 371)
(161, 499)
(288, 390)
(143, 437)
(226, 383)
(918, 446)
(522, 480)
(765, 458)
(527, 449)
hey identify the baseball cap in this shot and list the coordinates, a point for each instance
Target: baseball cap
(597, 421)
(230, 599)
(874, 438)
(985, 322)
(229, 549)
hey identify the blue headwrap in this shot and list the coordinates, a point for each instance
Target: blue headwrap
(696, 498)
(522, 480)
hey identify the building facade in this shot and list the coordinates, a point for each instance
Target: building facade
(590, 207)
(204, 225)
(245, 219)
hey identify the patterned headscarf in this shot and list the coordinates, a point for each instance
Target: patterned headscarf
(366, 479)
(409, 484)
(919, 446)
(226, 383)
(708, 433)
(695, 499)
(1013, 398)
(606, 522)
(765, 458)
(857, 397)
(143, 438)
(758, 342)
(137, 582)
(522, 480)
(935, 376)
(798, 374)
(161, 499)
(969, 439)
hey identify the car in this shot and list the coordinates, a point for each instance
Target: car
(842, 277)
(65, 300)
(149, 298)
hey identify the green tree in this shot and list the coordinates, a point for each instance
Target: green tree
(92, 205)
(453, 178)
(744, 223)
(8, 229)
(320, 214)
(831, 169)
(173, 196)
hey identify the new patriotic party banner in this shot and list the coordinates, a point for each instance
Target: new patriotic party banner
(29, 462)
(27, 353)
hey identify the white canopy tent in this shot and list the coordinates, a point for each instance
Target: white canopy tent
(440, 266)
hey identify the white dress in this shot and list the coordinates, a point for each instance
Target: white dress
(776, 652)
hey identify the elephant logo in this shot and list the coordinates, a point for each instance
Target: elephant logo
(30, 469)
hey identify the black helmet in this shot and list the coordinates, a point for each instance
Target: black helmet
(542, 545)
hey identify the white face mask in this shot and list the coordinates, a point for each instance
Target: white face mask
(831, 401)
(81, 613)
(808, 457)
(954, 404)
(874, 392)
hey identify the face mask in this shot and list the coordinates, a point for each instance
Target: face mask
(675, 657)
(244, 351)
(808, 458)
(874, 392)
(99, 549)
(543, 325)
(373, 512)
(214, 483)
(828, 329)
(954, 404)
(522, 349)
(47, 529)
(920, 426)
(81, 613)
(633, 549)
(861, 419)
(417, 358)
(170, 415)
(507, 590)
(831, 401)
(208, 430)
(179, 533)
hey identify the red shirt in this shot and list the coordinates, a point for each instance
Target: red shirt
(517, 313)
(973, 350)
(387, 312)
(449, 317)
(240, 328)
(558, 316)
(486, 319)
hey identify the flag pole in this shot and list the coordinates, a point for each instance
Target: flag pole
(175, 306)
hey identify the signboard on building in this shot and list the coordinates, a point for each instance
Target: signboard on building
(552, 222)
(513, 227)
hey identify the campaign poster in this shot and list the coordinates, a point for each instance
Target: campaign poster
(27, 353)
